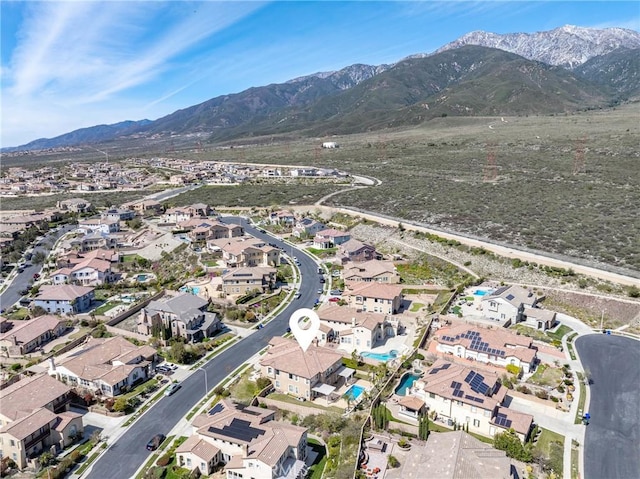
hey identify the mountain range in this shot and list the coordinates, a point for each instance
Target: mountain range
(481, 73)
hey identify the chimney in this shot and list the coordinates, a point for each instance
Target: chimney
(52, 364)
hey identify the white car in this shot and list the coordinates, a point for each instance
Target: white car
(171, 389)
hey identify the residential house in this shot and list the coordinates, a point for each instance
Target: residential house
(34, 417)
(109, 365)
(536, 318)
(145, 207)
(200, 210)
(374, 271)
(248, 441)
(240, 281)
(118, 214)
(90, 272)
(506, 304)
(300, 373)
(282, 217)
(307, 227)
(330, 238)
(241, 252)
(64, 298)
(73, 258)
(184, 315)
(75, 205)
(354, 250)
(471, 397)
(92, 241)
(495, 346)
(176, 215)
(456, 454)
(25, 336)
(99, 225)
(358, 330)
(376, 297)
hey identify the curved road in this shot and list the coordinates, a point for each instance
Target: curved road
(611, 449)
(128, 453)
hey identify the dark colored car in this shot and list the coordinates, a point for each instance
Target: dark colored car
(36, 276)
(155, 441)
(24, 292)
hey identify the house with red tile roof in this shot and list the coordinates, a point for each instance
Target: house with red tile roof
(375, 297)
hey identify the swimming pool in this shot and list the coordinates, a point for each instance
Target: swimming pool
(381, 356)
(405, 383)
(354, 392)
(190, 289)
(482, 292)
(142, 278)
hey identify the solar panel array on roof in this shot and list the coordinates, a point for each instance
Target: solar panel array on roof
(510, 297)
(438, 369)
(473, 398)
(458, 393)
(501, 420)
(238, 429)
(216, 409)
(476, 381)
(477, 344)
(455, 385)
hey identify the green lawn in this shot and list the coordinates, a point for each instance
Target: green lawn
(131, 258)
(560, 332)
(575, 473)
(581, 401)
(551, 445)
(106, 307)
(292, 400)
(244, 390)
(415, 307)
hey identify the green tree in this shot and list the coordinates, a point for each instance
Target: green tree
(423, 427)
(121, 404)
(178, 352)
(509, 442)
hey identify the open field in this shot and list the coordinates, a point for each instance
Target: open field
(434, 174)
(566, 184)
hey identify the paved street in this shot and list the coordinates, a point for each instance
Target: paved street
(611, 448)
(128, 453)
(23, 280)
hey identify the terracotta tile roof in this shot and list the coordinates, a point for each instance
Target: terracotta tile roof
(515, 345)
(30, 394)
(374, 290)
(199, 448)
(412, 402)
(345, 315)
(514, 295)
(27, 331)
(25, 426)
(368, 269)
(287, 356)
(62, 292)
(445, 377)
(331, 233)
(64, 418)
(520, 422)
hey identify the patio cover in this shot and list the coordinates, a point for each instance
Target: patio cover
(324, 389)
(346, 372)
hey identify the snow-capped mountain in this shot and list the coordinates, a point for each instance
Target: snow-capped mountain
(568, 46)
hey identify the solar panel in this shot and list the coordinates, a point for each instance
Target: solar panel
(510, 297)
(503, 421)
(470, 376)
(238, 429)
(456, 385)
(458, 393)
(216, 409)
(501, 353)
(445, 366)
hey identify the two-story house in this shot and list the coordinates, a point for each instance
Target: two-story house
(248, 441)
(330, 238)
(376, 297)
(300, 373)
(64, 298)
(249, 252)
(240, 281)
(355, 250)
(495, 346)
(307, 227)
(282, 217)
(90, 272)
(374, 271)
(74, 205)
(357, 330)
(469, 396)
(109, 365)
(506, 304)
(182, 315)
(34, 417)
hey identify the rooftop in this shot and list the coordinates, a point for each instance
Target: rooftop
(29, 394)
(287, 356)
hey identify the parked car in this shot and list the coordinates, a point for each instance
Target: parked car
(335, 292)
(24, 292)
(36, 276)
(333, 299)
(172, 389)
(262, 231)
(320, 291)
(322, 280)
(296, 296)
(155, 441)
(335, 273)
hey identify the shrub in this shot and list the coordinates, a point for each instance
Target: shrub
(263, 383)
(542, 394)
(513, 369)
(523, 389)
(392, 461)
(164, 460)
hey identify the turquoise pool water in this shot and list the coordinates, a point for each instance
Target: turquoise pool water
(381, 356)
(482, 292)
(190, 289)
(354, 392)
(142, 278)
(405, 383)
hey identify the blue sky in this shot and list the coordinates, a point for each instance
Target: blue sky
(73, 64)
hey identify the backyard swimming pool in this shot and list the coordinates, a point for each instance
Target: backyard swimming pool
(405, 383)
(381, 356)
(354, 392)
(142, 278)
(190, 289)
(482, 292)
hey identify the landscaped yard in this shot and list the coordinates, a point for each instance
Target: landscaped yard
(292, 400)
(415, 307)
(546, 376)
(106, 307)
(559, 332)
(551, 446)
(244, 390)
(317, 468)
